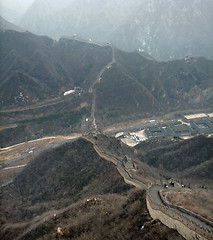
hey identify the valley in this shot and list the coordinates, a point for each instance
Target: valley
(115, 87)
(95, 136)
(107, 148)
(105, 203)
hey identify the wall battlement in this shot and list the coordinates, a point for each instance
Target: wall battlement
(173, 219)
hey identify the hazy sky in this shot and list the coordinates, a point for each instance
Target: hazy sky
(17, 5)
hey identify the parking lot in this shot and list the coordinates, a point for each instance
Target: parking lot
(185, 128)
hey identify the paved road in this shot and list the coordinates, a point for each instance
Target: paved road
(129, 129)
(153, 192)
(137, 127)
(50, 102)
(25, 155)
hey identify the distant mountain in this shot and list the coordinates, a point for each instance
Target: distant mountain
(90, 19)
(166, 29)
(136, 86)
(169, 29)
(37, 68)
(9, 14)
(5, 25)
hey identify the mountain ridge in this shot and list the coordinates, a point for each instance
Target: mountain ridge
(164, 29)
(5, 25)
(69, 63)
(112, 85)
(103, 206)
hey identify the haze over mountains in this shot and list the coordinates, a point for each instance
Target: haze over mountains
(40, 68)
(36, 71)
(5, 25)
(166, 29)
(58, 95)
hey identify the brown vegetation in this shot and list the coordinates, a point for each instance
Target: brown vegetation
(65, 174)
(182, 159)
(134, 87)
(72, 193)
(199, 201)
(115, 147)
(102, 217)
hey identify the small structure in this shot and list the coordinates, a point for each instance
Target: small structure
(69, 92)
(128, 163)
(195, 116)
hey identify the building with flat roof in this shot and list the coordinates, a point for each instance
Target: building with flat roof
(194, 116)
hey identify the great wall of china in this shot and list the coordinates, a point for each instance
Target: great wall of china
(190, 225)
(170, 215)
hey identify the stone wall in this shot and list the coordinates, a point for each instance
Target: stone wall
(167, 214)
(186, 211)
(172, 219)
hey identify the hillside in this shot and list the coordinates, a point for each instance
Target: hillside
(66, 175)
(166, 29)
(120, 96)
(62, 118)
(37, 68)
(191, 158)
(36, 71)
(137, 87)
(105, 217)
(8, 14)
(72, 188)
(175, 84)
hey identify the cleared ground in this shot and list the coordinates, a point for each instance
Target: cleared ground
(133, 138)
